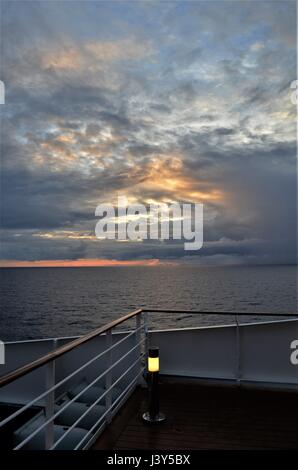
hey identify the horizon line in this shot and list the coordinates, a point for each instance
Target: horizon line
(79, 263)
(102, 263)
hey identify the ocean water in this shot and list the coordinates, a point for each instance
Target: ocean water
(53, 302)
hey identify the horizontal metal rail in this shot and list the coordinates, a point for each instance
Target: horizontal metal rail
(57, 385)
(28, 438)
(197, 312)
(133, 382)
(53, 355)
(95, 403)
(58, 352)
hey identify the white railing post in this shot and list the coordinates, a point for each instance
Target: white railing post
(49, 404)
(108, 380)
(238, 351)
(138, 340)
(145, 314)
(146, 342)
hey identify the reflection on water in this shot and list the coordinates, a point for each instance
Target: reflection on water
(48, 302)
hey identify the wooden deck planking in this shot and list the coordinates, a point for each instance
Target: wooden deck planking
(201, 417)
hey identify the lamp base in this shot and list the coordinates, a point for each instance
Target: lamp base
(159, 418)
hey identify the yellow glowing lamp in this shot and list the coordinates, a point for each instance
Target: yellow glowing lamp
(153, 414)
(153, 359)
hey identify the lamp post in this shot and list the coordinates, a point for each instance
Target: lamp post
(153, 414)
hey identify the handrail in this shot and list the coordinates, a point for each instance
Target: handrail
(95, 403)
(118, 399)
(198, 312)
(55, 415)
(41, 361)
(61, 382)
(27, 368)
(49, 358)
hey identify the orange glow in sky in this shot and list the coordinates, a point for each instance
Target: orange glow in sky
(78, 263)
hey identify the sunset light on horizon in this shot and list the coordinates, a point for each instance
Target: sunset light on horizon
(80, 263)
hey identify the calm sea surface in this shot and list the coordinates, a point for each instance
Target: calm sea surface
(53, 302)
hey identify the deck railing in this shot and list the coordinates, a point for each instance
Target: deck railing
(139, 334)
(48, 360)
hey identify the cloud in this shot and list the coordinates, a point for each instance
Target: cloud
(88, 58)
(167, 103)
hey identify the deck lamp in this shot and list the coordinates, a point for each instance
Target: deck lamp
(153, 414)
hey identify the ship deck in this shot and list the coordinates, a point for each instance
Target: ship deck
(207, 417)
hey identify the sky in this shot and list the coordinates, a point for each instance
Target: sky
(185, 101)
